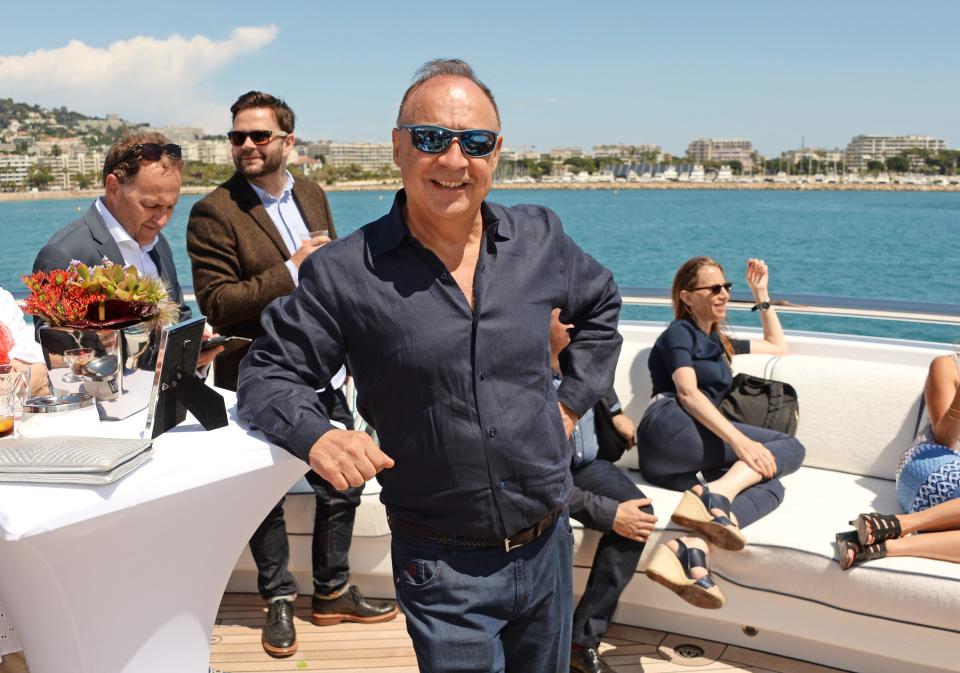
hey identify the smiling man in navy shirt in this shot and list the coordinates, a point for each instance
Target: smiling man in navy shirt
(441, 309)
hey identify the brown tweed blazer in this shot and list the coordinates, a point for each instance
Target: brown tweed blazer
(238, 259)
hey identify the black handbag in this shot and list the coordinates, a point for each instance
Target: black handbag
(762, 402)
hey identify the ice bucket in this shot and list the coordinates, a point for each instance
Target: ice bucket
(114, 365)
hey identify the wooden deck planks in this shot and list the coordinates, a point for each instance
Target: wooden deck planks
(386, 648)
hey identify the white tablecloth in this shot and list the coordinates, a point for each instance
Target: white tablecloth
(184, 458)
(127, 577)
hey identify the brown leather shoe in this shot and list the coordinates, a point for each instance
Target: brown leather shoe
(587, 660)
(351, 606)
(279, 637)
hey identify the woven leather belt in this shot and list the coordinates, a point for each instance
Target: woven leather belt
(517, 540)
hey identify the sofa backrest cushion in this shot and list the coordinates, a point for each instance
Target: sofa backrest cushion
(856, 416)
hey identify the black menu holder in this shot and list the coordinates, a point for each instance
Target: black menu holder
(176, 388)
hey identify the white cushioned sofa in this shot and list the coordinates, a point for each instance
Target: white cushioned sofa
(859, 403)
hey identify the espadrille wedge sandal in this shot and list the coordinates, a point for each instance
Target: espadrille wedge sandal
(672, 570)
(694, 513)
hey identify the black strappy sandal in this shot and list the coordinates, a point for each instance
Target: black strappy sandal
(694, 513)
(849, 541)
(881, 527)
(672, 570)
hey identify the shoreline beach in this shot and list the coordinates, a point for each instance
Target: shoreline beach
(617, 185)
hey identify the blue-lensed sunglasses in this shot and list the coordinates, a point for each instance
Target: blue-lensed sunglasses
(436, 139)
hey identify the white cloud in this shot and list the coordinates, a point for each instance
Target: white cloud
(142, 78)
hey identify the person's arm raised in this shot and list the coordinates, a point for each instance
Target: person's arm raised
(773, 342)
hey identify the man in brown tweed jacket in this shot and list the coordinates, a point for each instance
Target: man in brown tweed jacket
(246, 242)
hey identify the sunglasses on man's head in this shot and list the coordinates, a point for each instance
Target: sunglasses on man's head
(436, 139)
(150, 152)
(714, 289)
(238, 138)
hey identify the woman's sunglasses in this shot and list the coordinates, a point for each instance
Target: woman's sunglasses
(148, 151)
(238, 138)
(714, 289)
(436, 139)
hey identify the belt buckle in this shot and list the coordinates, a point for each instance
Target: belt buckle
(509, 546)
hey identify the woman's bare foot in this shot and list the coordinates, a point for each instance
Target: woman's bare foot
(716, 511)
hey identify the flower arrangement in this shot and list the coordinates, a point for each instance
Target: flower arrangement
(107, 295)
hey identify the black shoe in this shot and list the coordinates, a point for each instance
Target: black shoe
(587, 660)
(351, 606)
(279, 637)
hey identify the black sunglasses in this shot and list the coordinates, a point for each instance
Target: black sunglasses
(238, 138)
(714, 289)
(148, 151)
(436, 139)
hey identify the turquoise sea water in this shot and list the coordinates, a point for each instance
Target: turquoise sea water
(852, 244)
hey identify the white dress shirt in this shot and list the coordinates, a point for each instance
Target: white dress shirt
(288, 220)
(286, 217)
(134, 254)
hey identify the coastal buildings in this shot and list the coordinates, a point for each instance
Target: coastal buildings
(180, 134)
(371, 157)
(206, 151)
(14, 169)
(834, 156)
(865, 148)
(723, 151)
(113, 121)
(644, 152)
(564, 153)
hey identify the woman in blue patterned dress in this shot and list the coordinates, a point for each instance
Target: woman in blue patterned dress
(928, 485)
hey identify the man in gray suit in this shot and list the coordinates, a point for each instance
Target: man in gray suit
(141, 177)
(124, 224)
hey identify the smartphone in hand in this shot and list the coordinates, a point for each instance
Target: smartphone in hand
(223, 340)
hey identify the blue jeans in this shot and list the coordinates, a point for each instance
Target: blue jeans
(487, 609)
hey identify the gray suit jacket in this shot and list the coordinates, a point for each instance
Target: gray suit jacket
(88, 240)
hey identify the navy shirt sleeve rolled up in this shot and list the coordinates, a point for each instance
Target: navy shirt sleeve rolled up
(461, 399)
(683, 344)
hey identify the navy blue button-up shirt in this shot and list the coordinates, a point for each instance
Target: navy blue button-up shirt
(461, 399)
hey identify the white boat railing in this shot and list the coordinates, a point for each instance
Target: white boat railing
(844, 307)
(841, 307)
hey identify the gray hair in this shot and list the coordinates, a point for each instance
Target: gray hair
(446, 67)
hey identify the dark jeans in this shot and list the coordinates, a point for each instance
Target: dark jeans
(332, 529)
(673, 447)
(488, 610)
(616, 557)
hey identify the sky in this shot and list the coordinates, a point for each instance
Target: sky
(564, 73)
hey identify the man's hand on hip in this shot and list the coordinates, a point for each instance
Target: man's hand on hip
(570, 419)
(632, 522)
(347, 458)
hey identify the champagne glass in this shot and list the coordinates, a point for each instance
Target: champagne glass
(76, 358)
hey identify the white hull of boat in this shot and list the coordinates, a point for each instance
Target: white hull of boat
(785, 591)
